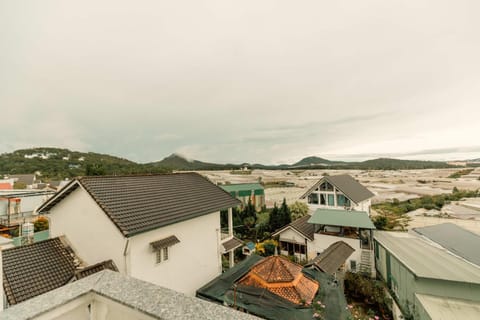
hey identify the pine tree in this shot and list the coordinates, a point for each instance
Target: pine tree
(286, 216)
(275, 222)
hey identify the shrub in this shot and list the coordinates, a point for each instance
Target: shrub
(40, 224)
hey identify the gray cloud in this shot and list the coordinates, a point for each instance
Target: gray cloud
(268, 81)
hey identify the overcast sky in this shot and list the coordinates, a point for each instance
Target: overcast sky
(267, 81)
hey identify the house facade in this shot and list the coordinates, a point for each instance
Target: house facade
(339, 211)
(164, 229)
(338, 192)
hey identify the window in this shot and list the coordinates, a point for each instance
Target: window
(331, 200)
(161, 255)
(165, 254)
(353, 265)
(313, 198)
(158, 256)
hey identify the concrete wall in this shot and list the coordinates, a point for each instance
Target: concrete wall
(191, 264)
(92, 234)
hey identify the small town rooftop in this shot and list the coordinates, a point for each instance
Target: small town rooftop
(455, 239)
(140, 203)
(345, 218)
(354, 190)
(426, 260)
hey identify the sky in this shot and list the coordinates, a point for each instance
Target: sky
(268, 81)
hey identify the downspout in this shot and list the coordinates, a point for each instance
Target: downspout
(125, 258)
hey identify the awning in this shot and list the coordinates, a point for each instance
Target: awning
(342, 218)
(165, 242)
(232, 244)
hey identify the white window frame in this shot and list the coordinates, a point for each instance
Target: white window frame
(162, 255)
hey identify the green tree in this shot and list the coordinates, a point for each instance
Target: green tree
(285, 215)
(95, 170)
(298, 209)
(275, 219)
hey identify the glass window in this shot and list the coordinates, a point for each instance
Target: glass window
(331, 200)
(313, 198)
(165, 254)
(326, 186)
(323, 200)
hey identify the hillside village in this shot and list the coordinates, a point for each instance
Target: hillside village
(242, 244)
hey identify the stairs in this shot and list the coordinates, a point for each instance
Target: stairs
(366, 262)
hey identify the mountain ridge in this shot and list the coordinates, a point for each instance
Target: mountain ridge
(65, 163)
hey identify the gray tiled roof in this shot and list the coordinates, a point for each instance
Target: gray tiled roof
(300, 225)
(85, 272)
(348, 185)
(455, 239)
(143, 297)
(36, 268)
(332, 258)
(141, 203)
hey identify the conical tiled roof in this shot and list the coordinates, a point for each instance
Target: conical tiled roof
(283, 278)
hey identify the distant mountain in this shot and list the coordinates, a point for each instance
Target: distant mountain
(397, 164)
(56, 163)
(315, 161)
(178, 162)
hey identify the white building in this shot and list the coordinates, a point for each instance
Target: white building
(108, 295)
(164, 229)
(339, 192)
(341, 208)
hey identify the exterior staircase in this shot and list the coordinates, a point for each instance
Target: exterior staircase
(367, 263)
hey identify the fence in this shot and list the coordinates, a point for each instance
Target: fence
(37, 236)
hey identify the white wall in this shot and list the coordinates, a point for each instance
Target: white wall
(192, 263)
(323, 241)
(101, 308)
(92, 234)
(291, 236)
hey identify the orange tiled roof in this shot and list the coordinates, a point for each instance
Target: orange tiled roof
(283, 278)
(5, 186)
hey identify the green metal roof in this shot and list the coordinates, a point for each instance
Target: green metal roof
(241, 187)
(342, 218)
(426, 260)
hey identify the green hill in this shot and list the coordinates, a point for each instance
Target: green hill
(56, 163)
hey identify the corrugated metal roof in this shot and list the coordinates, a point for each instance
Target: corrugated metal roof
(140, 203)
(354, 190)
(345, 218)
(425, 260)
(241, 187)
(440, 308)
(459, 241)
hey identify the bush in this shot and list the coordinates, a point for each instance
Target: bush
(40, 224)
